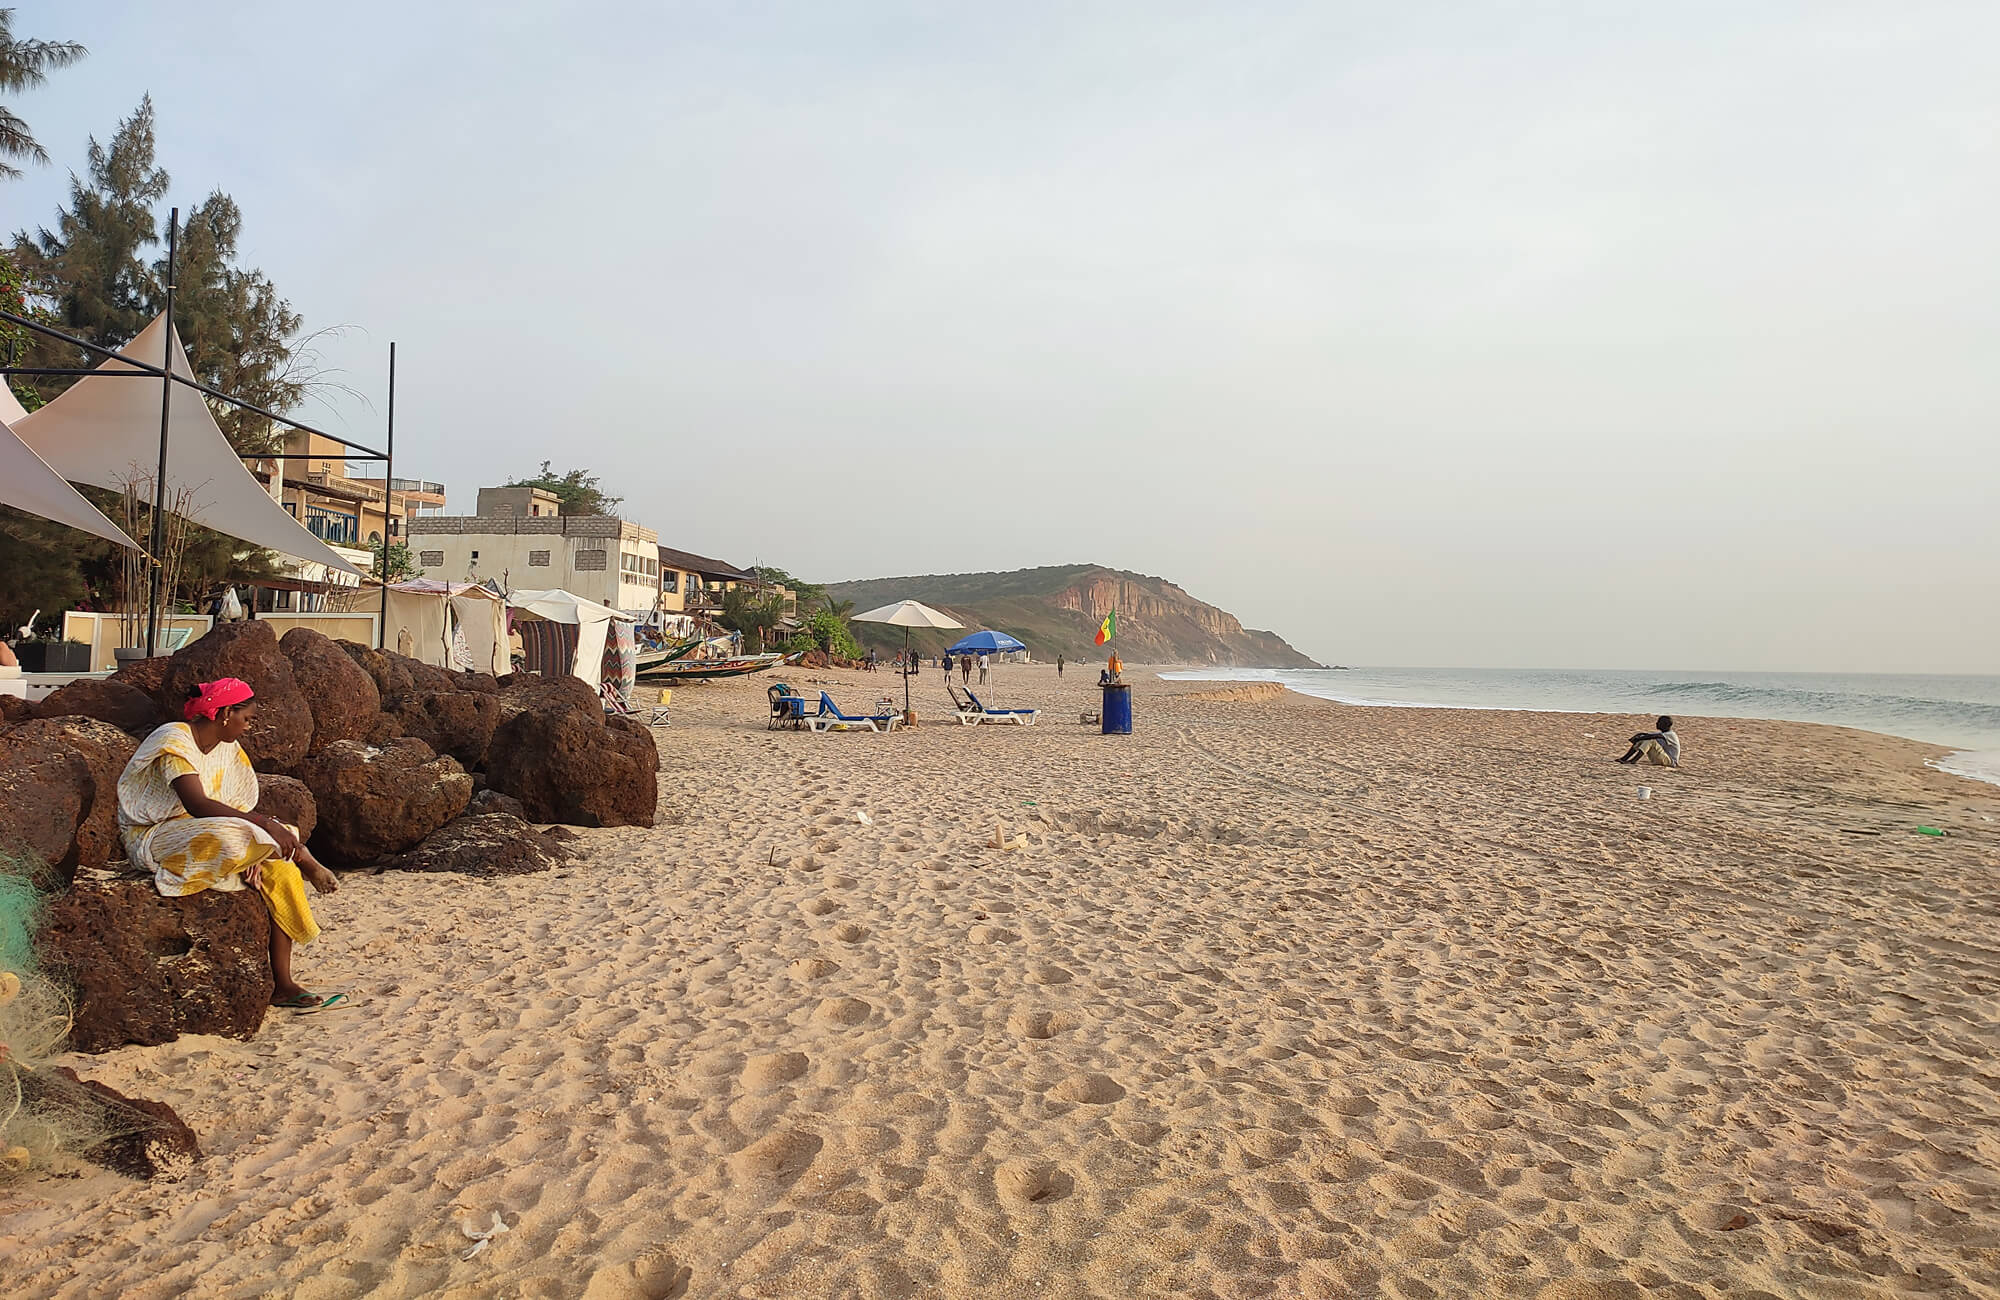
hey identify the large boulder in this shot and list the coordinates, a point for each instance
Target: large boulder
(134, 1136)
(147, 675)
(488, 844)
(283, 730)
(342, 697)
(14, 709)
(375, 802)
(56, 769)
(121, 704)
(482, 683)
(458, 723)
(146, 969)
(382, 667)
(563, 760)
(289, 801)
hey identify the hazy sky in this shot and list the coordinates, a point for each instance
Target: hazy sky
(1592, 334)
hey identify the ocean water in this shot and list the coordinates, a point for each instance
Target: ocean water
(1962, 712)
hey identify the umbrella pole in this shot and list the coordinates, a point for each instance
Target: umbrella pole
(906, 674)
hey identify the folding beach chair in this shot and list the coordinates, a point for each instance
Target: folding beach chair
(1020, 717)
(830, 718)
(651, 715)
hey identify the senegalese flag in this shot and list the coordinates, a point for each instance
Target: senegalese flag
(1108, 628)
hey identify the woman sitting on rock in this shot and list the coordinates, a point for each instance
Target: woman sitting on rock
(184, 809)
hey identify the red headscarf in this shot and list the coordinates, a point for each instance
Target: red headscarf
(216, 695)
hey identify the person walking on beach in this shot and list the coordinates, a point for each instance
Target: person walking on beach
(947, 666)
(965, 670)
(982, 669)
(1661, 748)
(186, 806)
(1059, 666)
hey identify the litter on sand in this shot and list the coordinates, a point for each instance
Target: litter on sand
(863, 818)
(485, 1238)
(1932, 830)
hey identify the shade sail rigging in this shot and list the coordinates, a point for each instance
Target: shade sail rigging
(27, 483)
(104, 430)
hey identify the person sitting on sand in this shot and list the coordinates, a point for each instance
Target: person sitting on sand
(184, 811)
(1662, 748)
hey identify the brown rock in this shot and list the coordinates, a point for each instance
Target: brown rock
(560, 757)
(479, 683)
(374, 802)
(492, 801)
(423, 676)
(458, 723)
(283, 729)
(14, 709)
(390, 678)
(145, 969)
(289, 801)
(93, 749)
(488, 844)
(147, 675)
(124, 706)
(343, 698)
(141, 1138)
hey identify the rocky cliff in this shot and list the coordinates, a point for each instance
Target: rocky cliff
(1056, 610)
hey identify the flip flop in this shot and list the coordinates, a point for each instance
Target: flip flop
(310, 1001)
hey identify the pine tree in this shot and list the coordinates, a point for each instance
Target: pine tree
(23, 66)
(236, 329)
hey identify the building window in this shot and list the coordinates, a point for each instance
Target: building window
(538, 559)
(591, 561)
(475, 557)
(670, 582)
(430, 559)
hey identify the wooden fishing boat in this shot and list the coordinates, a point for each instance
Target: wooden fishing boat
(698, 670)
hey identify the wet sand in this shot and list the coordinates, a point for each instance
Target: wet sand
(1276, 997)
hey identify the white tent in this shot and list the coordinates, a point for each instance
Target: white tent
(27, 483)
(105, 430)
(433, 614)
(592, 622)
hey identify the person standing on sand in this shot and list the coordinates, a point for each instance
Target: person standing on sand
(185, 806)
(982, 669)
(1059, 666)
(965, 670)
(947, 666)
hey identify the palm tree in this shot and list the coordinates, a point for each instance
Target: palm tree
(23, 66)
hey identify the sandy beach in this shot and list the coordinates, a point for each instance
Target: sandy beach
(1276, 997)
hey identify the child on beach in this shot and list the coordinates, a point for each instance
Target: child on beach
(184, 812)
(1661, 748)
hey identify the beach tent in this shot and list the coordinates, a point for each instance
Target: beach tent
(449, 624)
(104, 430)
(27, 483)
(907, 614)
(985, 643)
(576, 631)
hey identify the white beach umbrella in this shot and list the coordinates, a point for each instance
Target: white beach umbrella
(907, 614)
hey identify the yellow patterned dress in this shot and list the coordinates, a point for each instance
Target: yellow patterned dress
(188, 854)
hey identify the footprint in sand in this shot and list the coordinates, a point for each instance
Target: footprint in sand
(819, 906)
(1029, 1182)
(813, 968)
(1039, 1024)
(851, 933)
(777, 1158)
(774, 1070)
(842, 1011)
(1088, 1089)
(990, 934)
(650, 1277)
(1047, 974)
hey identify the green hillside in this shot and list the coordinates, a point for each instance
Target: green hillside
(1056, 609)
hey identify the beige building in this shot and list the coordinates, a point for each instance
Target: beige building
(519, 540)
(351, 515)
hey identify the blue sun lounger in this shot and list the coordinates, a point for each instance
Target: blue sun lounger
(979, 713)
(830, 718)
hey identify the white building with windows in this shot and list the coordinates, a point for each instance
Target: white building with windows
(520, 541)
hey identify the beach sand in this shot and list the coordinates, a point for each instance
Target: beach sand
(1275, 997)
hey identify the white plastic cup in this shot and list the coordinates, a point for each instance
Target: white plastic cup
(1645, 792)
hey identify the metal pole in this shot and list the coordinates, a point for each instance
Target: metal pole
(388, 505)
(166, 416)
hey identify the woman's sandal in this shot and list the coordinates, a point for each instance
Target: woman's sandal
(311, 1001)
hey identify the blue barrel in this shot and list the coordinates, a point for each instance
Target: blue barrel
(1117, 710)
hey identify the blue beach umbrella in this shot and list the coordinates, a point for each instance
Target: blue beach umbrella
(983, 642)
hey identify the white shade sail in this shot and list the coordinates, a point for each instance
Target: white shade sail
(908, 613)
(27, 483)
(105, 431)
(559, 606)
